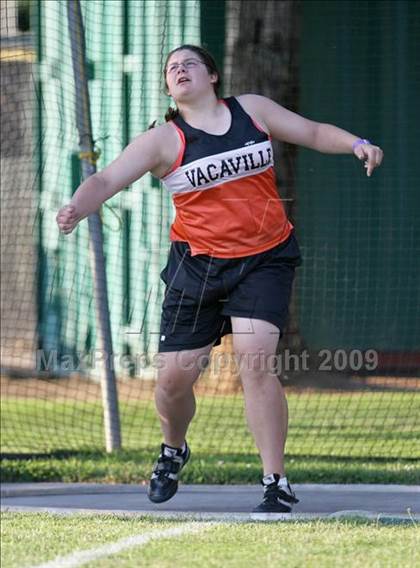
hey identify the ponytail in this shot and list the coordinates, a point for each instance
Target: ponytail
(170, 114)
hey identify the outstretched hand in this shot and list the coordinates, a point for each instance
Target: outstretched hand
(371, 155)
(67, 219)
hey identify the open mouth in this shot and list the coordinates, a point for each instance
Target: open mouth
(183, 80)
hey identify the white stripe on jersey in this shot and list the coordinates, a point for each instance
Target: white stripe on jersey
(212, 171)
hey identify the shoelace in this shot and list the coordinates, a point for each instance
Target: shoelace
(166, 465)
(271, 493)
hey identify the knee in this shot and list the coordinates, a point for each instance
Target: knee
(171, 387)
(255, 368)
(253, 379)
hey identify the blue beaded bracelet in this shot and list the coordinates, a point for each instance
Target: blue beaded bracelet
(361, 141)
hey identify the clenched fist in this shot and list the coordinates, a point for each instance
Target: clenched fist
(67, 219)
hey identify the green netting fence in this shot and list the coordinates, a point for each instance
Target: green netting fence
(350, 357)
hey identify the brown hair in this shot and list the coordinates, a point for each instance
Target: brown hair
(208, 61)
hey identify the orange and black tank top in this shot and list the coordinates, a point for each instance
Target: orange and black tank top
(224, 189)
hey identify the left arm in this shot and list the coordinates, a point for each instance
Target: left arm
(288, 126)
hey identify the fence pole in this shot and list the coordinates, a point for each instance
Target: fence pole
(88, 161)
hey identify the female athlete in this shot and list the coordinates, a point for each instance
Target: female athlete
(233, 252)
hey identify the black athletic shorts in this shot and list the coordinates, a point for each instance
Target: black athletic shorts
(202, 292)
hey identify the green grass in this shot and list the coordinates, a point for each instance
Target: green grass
(351, 437)
(135, 467)
(29, 539)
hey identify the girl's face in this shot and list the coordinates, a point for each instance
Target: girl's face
(187, 76)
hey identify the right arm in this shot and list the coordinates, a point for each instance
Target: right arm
(147, 152)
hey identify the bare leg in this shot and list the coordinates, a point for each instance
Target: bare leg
(174, 396)
(255, 343)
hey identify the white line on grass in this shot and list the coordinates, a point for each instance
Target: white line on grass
(84, 556)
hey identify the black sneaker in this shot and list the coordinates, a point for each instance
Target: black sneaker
(277, 499)
(164, 479)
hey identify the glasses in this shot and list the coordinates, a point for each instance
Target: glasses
(187, 64)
